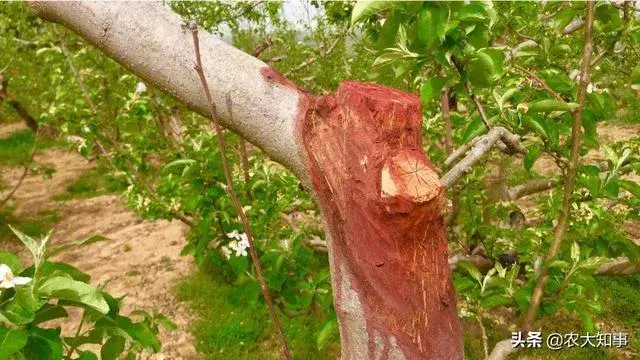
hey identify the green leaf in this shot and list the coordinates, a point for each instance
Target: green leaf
(387, 37)
(473, 12)
(90, 240)
(68, 289)
(139, 332)
(112, 348)
(530, 158)
(431, 89)
(364, 9)
(11, 341)
(328, 331)
(560, 264)
(43, 344)
(432, 24)
(53, 269)
(549, 105)
(494, 301)
(165, 322)
(49, 312)
(177, 164)
(12, 261)
(536, 124)
(475, 128)
(471, 270)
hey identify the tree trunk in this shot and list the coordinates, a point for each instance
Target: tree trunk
(360, 149)
(383, 203)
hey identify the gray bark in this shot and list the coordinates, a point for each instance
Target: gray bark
(150, 40)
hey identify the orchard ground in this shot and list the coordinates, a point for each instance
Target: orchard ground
(142, 261)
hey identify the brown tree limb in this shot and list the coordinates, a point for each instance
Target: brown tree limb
(576, 129)
(27, 166)
(227, 173)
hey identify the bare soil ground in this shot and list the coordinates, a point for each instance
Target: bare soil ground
(141, 259)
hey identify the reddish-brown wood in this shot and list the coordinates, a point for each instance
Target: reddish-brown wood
(383, 202)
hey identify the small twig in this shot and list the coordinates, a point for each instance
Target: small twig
(27, 166)
(540, 82)
(478, 104)
(481, 147)
(227, 173)
(314, 58)
(74, 71)
(576, 130)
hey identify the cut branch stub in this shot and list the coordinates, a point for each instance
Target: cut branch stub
(383, 204)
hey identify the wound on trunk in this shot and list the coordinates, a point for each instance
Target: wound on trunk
(383, 204)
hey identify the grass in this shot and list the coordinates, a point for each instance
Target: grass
(237, 331)
(16, 148)
(92, 183)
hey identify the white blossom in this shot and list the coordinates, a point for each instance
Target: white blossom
(240, 244)
(141, 88)
(7, 280)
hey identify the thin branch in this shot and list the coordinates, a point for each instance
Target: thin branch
(530, 188)
(76, 74)
(227, 173)
(479, 106)
(540, 82)
(573, 26)
(576, 129)
(482, 146)
(27, 166)
(446, 116)
(314, 58)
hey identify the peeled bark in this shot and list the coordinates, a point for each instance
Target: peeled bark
(383, 203)
(360, 149)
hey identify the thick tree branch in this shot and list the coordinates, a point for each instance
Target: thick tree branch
(576, 130)
(161, 51)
